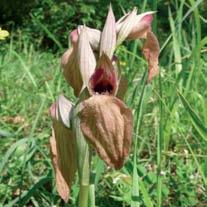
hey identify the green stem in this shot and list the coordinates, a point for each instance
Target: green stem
(92, 195)
(83, 196)
(84, 163)
(159, 148)
(154, 24)
(135, 179)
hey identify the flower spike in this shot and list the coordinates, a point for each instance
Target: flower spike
(99, 119)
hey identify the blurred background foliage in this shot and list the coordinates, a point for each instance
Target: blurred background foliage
(47, 23)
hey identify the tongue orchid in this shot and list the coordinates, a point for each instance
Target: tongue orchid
(100, 119)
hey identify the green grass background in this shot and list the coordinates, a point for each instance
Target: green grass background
(168, 161)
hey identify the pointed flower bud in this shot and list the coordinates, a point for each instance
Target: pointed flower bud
(62, 145)
(108, 36)
(86, 58)
(106, 123)
(71, 70)
(151, 52)
(104, 78)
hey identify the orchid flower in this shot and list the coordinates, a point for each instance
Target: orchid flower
(105, 122)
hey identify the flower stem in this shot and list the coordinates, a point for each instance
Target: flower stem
(84, 163)
(83, 196)
(86, 196)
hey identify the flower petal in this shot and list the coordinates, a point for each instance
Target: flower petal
(151, 52)
(74, 37)
(86, 58)
(108, 36)
(94, 36)
(104, 79)
(125, 25)
(63, 148)
(106, 123)
(64, 109)
(141, 26)
(62, 186)
(71, 70)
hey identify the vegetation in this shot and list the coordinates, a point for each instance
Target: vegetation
(168, 162)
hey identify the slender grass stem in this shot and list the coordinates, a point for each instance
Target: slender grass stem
(159, 149)
(135, 187)
(92, 195)
(154, 24)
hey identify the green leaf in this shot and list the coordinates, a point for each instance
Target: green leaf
(146, 198)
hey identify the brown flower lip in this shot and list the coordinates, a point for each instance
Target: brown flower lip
(107, 123)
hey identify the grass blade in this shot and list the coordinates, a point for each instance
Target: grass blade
(197, 20)
(159, 147)
(49, 34)
(135, 179)
(25, 68)
(24, 198)
(176, 44)
(10, 151)
(146, 198)
(196, 160)
(197, 123)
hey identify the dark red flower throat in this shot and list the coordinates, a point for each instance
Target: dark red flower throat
(103, 81)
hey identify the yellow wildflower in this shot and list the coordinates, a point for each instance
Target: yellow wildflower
(3, 34)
